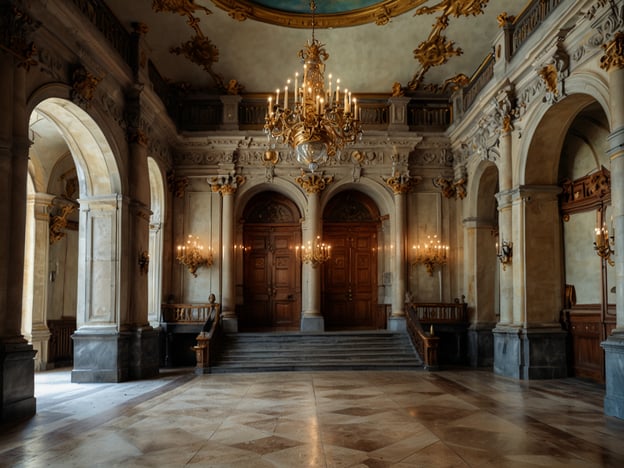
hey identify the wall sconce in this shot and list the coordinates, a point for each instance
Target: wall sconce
(316, 253)
(432, 253)
(603, 245)
(192, 255)
(505, 253)
(143, 262)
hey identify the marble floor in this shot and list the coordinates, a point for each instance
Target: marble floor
(316, 419)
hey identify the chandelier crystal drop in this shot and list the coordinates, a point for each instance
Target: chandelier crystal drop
(319, 118)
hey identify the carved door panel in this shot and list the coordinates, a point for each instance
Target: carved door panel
(272, 295)
(350, 278)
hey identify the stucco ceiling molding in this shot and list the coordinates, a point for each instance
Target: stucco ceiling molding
(379, 13)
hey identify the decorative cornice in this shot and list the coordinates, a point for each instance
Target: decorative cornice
(613, 53)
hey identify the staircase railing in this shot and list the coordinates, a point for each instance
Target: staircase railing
(425, 342)
(207, 343)
(205, 315)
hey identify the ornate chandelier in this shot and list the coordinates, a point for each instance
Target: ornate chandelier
(320, 120)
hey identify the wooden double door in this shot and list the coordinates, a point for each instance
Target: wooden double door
(272, 279)
(349, 293)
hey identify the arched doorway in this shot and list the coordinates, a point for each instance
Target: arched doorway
(349, 298)
(271, 271)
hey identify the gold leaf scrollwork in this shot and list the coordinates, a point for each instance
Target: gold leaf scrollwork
(84, 85)
(451, 188)
(313, 183)
(614, 53)
(177, 185)
(59, 222)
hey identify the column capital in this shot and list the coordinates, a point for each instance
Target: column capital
(401, 183)
(226, 185)
(313, 183)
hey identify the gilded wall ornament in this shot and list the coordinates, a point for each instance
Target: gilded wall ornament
(59, 222)
(226, 184)
(15, 29)
(314, 182)
(401, 182)
(505, 20)
(84, 85)
(177, 185)
(554, 72)
(613, 53)
(451, 188)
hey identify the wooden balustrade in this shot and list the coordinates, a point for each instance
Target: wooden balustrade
(60, 344)
(426, 344)
(453, 317)
(182, 323)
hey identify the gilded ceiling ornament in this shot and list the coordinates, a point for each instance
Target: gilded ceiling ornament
(84, 84)
(450, 84)
(455, 8)
(436, 51)
(199, 49)
(614, 53)
(314, 182)
(181, 7)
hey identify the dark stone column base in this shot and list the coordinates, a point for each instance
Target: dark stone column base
(100, 356)
(614, 375)
(530, 353)
(481, 345)
(144, 354)
(17, 381)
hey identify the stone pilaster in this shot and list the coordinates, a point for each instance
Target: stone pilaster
(400, 184)
(227, 187)
(313, 184)
(17, 399)
(613, 63)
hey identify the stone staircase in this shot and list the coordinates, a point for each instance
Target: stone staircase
(267, 352)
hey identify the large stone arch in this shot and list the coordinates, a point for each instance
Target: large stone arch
(100, 298)
(480, 263)
(156, 240)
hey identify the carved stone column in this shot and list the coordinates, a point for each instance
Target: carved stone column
(312, 319)
(533, 346)
(400, 184)
(482, 289)
(613, 62)
(227, 188)
(17, 399)
(35, 297)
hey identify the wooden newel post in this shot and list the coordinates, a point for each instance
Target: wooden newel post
(202, 353)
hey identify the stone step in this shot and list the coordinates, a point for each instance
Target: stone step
(261, 352)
